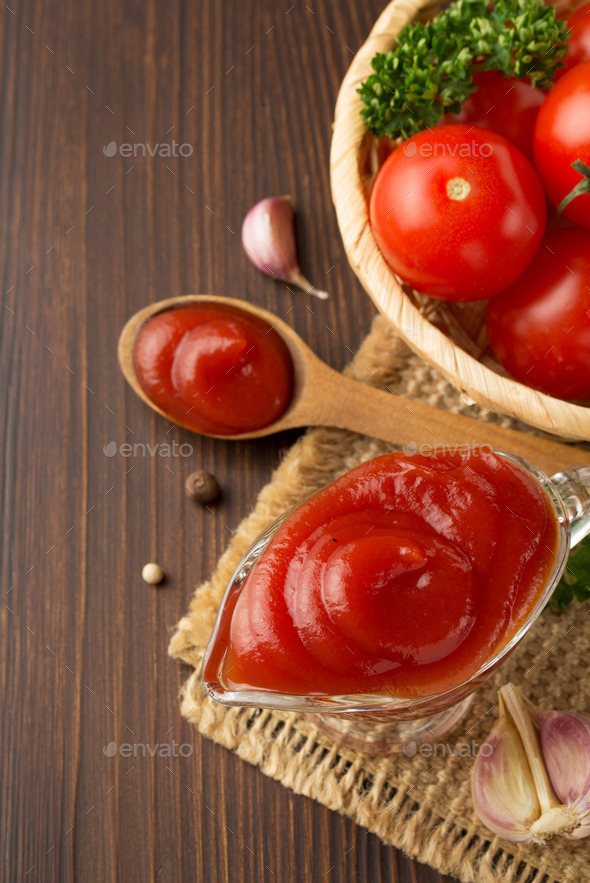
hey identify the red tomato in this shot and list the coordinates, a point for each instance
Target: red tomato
(562, 136)
(539, 328)
(504, 104)
(458, 212)
(579, 40)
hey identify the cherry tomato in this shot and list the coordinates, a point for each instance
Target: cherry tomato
(562, 137)
(458, 212)
(539, 328)
(579, 40)
(505, 105)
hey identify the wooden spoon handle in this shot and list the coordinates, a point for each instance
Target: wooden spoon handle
(353, 405)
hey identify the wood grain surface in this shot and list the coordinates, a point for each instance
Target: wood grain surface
(88, 239)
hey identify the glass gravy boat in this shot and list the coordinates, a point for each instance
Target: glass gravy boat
(386, 723)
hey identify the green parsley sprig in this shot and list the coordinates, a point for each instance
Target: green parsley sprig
(430, 72)
(575, 582)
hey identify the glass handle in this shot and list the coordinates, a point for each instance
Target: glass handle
(573, 488)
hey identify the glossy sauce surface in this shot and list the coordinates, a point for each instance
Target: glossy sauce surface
(406, 574)
(214, 368)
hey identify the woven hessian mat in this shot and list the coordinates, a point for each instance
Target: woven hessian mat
(419, 804)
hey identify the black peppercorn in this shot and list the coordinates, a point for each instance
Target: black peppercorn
(202, 486)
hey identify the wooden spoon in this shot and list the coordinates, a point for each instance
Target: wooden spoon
(324, 397)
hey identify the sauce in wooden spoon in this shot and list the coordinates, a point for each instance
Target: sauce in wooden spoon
(323, 397)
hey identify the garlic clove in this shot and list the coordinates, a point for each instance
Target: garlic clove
(523, 714)
(268, 237)
(579, 834)
(503, 788)
(565, 740)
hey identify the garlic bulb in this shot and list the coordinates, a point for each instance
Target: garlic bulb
(268, 237)
(532, 781)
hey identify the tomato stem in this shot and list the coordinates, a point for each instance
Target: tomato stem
(581, 187)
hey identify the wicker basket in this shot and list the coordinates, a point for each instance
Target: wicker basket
(449, 336)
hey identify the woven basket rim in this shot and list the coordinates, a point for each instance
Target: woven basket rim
(477, 381)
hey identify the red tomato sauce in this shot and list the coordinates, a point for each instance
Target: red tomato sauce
(404, 575)
(214, 368)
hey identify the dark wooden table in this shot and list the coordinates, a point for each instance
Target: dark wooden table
(248, 89)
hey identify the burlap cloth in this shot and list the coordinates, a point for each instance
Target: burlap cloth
(419, 804)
